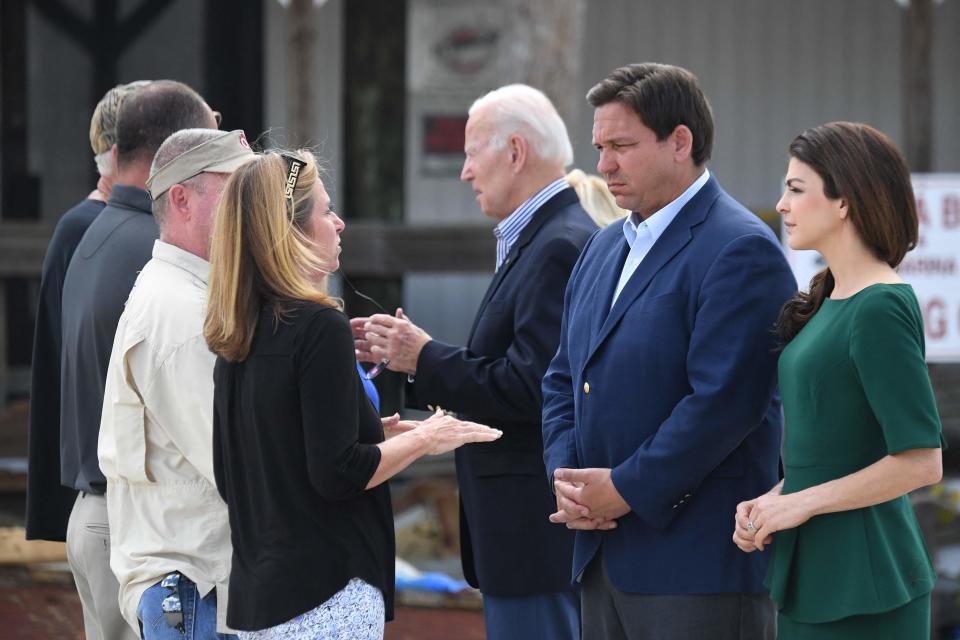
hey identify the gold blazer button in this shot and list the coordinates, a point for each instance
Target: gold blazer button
(586, 387)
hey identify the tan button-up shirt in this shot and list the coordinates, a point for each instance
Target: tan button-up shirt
(156, 442)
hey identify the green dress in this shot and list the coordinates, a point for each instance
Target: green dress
(855, 388)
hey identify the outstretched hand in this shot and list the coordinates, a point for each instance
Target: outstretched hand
(443, 432)
(393, 425)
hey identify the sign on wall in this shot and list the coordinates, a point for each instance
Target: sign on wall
(455, 46)
(933, 268)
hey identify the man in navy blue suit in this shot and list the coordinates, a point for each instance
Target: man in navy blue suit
(660, 406)
(516, 150)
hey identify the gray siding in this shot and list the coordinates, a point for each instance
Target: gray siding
(772, 68)
(946, 92)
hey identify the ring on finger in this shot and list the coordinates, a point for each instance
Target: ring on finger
(750, 526)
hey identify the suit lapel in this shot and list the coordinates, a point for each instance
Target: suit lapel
(669, 244)
(547, 209)
(607, 282)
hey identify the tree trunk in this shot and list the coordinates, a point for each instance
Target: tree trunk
(546, 49)
(301, 45)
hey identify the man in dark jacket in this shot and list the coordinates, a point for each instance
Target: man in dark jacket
(516, 150)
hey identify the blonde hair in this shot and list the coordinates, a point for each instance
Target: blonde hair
(103, 123)
(259, 253)
(595, 197)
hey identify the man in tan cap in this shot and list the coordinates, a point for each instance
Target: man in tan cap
(170, 544)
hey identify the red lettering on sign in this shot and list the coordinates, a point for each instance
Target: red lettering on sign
(935, 318)
(951, 211)
(922, 212)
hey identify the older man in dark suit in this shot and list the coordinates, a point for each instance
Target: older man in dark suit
(516, 150)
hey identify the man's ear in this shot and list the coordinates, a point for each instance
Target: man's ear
(682, 142)
(519, 151)
(178, 199)
(114, 155)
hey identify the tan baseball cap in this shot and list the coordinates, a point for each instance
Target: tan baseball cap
(223, 154)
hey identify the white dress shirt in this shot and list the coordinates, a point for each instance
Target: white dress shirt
(156, 437)
(642, 236)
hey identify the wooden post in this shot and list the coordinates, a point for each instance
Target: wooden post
(547, 50)
(918, 85)
(233, 67)
(301, 45)
(4, 366)
(19, 187)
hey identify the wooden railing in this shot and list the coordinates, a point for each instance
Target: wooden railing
(370, 249)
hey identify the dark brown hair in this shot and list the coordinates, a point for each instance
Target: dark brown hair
(149, 116)
(664, 97)
(863, 166)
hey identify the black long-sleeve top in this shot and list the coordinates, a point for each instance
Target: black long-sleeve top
(294, 448)
(48, 502)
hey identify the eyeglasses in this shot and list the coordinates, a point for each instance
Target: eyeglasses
(378, 368)
(171, 606)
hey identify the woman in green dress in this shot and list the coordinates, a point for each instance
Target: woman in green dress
(862, 430)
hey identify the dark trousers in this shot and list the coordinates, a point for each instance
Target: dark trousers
(611, 614)
(547, 616)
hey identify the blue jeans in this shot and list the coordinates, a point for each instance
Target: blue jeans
(199, 614)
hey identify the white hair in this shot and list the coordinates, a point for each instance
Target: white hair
(521, 109)
(104, 163)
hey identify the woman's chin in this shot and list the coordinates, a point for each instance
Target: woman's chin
(328, 266)
(797, 244)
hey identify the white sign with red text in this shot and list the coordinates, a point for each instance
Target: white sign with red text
(933, 268)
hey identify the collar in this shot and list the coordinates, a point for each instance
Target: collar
(656, 224)
(127, 196)
(185, 260)
(512, 225)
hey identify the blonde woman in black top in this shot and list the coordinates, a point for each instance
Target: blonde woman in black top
(299, 451)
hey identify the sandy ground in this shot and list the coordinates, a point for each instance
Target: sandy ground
(40, 603)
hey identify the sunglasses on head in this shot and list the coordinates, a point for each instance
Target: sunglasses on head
(294, 165)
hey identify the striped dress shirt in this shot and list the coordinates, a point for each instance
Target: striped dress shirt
(508, 230)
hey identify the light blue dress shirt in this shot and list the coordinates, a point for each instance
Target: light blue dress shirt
(641, 237)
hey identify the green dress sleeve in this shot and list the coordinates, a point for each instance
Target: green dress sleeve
(887, 349)
(857, 389)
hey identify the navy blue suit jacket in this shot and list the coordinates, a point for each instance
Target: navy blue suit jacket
(508, 546)
(681, 403)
